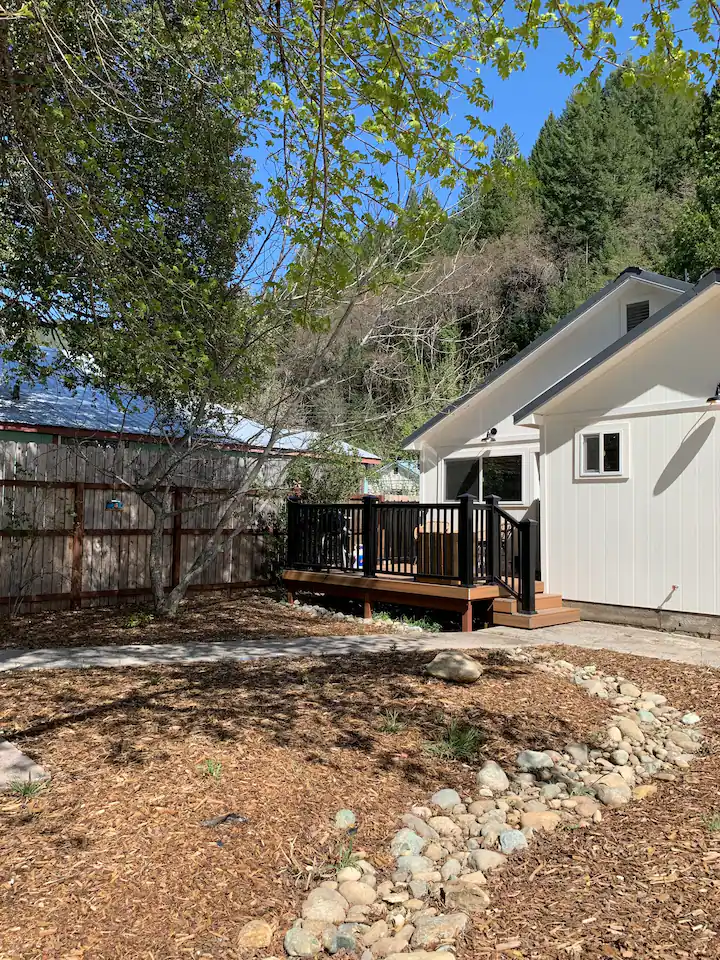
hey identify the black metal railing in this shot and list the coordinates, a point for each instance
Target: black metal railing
(466, 542)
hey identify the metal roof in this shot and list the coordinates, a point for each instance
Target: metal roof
(707, 280)
(629, 273)
(52, 403)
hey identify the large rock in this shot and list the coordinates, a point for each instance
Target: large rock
(418, 826)
(466, 897)
(492, 777)
(325, 904)
(630, 729)
(512, 840)
(254, 935)
(408, 843)
(445, 799)
(628, 689)
(546, 820)
(457, 667)
(434, 931)
(684, 741)
(444, 826)
(530, 760)
(613, 790)
(487, 860)
(16, 767)
(301, 943)
(357, 893)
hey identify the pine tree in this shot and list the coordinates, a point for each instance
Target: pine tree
(695, 242)
(506, 149)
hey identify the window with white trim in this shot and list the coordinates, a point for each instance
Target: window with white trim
(602, 451)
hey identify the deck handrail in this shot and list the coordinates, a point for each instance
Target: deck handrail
(467, 542)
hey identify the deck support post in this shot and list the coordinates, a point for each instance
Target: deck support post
(466, 536)
(367, 607)
(293, 531)
(528, 555)
(370, 534)
(493, 538)
(467, 618)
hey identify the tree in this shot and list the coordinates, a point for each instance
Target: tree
(694, 246)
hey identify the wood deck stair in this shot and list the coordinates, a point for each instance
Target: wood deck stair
(549, 612)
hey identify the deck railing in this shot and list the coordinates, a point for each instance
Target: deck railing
(465, 542)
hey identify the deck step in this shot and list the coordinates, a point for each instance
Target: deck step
(550, 617)
(543, 601)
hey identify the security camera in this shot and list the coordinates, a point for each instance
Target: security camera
(491, 434)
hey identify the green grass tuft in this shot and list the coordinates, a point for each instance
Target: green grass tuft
(27, 789)
(391, 722)
(211, 769)
(458, 741)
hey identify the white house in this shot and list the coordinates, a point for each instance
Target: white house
(606, 430)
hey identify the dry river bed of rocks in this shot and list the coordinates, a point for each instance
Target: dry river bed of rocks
(446, 852)
(386, 623)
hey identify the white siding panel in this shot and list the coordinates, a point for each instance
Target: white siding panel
(629, 542)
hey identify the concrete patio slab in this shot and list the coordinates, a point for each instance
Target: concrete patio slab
(593, 636)
(16, 767)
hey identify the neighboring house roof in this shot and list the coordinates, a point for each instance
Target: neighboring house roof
(52, 404)
(630, 273)
(707, 280)
(409, 468)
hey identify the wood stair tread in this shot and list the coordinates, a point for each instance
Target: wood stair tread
(548, 617)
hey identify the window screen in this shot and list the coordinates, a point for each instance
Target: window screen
(502, 477)
(636, 313)
(462, 476)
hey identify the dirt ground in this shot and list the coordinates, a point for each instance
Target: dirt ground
(112, 861)
(208, 617)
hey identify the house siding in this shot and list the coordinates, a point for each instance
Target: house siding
(650, 540)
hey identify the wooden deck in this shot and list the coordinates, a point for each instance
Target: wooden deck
(400, 590)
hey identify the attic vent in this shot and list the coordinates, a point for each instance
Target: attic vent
(636, 313)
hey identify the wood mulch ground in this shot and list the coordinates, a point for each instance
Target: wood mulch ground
(252, 614)
(643, 884)
(112, 861)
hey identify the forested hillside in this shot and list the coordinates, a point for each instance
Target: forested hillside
(629, 174)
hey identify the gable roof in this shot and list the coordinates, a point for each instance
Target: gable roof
(86, 410)
(629, 273)
(707, 280)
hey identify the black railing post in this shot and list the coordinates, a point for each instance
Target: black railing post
(528, 556)
(370, 534)
(466, 547)
(493, 537)
(292, 531)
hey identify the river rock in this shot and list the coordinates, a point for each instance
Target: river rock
(454, 666)
(512, 840)
(546, 821)
(477, 877)
(644, 791)
(407, 843)
(586, 807)
(628, 689)
(620, 757)
(466, 897)
(348, 873)
(613, 790)
(414, 864)
(418, 826)
(324, 904)
(491, 776)
(684, 741)
(376, 932)
(301, 943)
(388, 946)
(630, 729)
(433, 931)
(530, 760)
(254, 935)
(446, 799)
(357, 893)
(487, 860)
(444, 826)
(451, 869)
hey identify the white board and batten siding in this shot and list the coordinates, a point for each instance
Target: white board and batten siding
(651, 538)
(462, 435)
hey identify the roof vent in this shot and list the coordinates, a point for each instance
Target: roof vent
(636, 313)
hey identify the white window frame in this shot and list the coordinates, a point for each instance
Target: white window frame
(601, 430)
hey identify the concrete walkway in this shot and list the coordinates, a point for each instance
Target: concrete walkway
(593, 636)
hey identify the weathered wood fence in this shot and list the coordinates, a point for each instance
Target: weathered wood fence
(61, 546)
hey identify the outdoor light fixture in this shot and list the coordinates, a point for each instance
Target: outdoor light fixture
(716, 398)
(492, 433)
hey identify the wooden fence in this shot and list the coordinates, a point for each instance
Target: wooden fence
(61, 546)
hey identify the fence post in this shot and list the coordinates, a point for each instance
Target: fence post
(177, 502)
(292, 531)
(370, 534)
(528, 554)
(466, 546)
(493, 537)
(78, 545)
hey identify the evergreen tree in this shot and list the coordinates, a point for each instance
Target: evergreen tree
(695, 242)
(506, 149)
